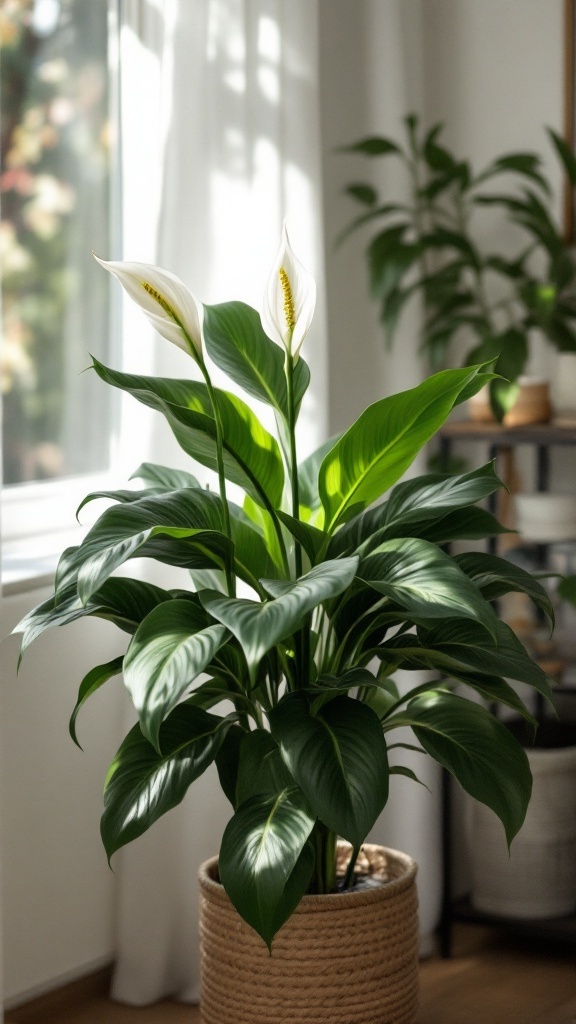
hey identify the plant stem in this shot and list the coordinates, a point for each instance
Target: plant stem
(325, 845)
(349, 876)
(303, 637)
(230, 580)
(294, 484)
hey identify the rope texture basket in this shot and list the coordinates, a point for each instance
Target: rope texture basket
(347, 958)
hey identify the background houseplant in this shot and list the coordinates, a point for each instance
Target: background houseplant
(484, 301)
(295, 597)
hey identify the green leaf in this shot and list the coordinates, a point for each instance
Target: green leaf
(365, 194)
(177, 527)
(168, 651)
(238, 344)
(265, 863)
(425, 581)
(252, 457)
(254, 555)
(383, 442)
(463, 524)
(496, 691)
(390, 256)
(164, 478)
(418, 503)
(261, 770)
(311, 539)
(496, 576)
(142, 784)
(259, 626)
(92, 682)
(308, 474)
(465, 645)
(123, 601)
(565, 153)
(567, 589)
(479, 751)
(264, 524)
(122, 496)
(525, 164)
(338, 758)
(228, 761)
(372, 145)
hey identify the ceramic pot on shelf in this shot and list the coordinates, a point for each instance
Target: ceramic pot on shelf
(344, 958)
(531, 406)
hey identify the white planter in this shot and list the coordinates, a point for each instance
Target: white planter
(564, 388)
(545, 517)
(538, 879)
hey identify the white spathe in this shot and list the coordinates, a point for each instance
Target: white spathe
(164, 298)
(289, 300)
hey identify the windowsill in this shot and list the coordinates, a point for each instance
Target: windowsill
(30, 563)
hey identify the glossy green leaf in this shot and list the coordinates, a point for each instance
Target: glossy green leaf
(383, 442)
(265, 863)
(252, 457)
(308, 474)
(479, 751)
(464, 524)
(92, 682)
(178, 527)
(496, 691)
(252, 555)
(425, 581)
(496, 576)
(261, 770)
(338, 758)
(142, 784)
(121, 600)
(259, 626)
(238, 344)
(164, 478)
(412, 506)
(465, 645)
(168, 651)
(309, 537)
(228, 761)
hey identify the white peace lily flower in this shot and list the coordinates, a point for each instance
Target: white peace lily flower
(167, 302)
(289, 300)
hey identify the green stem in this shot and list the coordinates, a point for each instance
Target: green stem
(349, 876)
(230, 579)
(303, 637)
(293, 457)
(325, 846)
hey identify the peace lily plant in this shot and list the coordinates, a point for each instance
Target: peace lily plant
(275, 653)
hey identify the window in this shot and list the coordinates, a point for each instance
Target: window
(57, 194)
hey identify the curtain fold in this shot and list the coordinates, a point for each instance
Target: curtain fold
(227, 92)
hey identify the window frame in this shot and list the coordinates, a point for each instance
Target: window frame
(38, 517)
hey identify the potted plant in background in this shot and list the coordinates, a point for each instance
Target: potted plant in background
(275, 653)
(486, 301)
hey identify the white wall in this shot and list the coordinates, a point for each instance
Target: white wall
(57, 888)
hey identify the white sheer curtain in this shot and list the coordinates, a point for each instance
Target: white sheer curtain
(220, 107)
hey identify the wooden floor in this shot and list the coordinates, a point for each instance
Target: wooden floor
(489, 980)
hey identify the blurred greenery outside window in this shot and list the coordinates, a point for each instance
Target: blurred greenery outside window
(56, 187)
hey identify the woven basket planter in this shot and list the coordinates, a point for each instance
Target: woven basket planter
(347, 958)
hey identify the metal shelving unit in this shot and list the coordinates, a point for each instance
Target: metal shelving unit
(497, 439)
